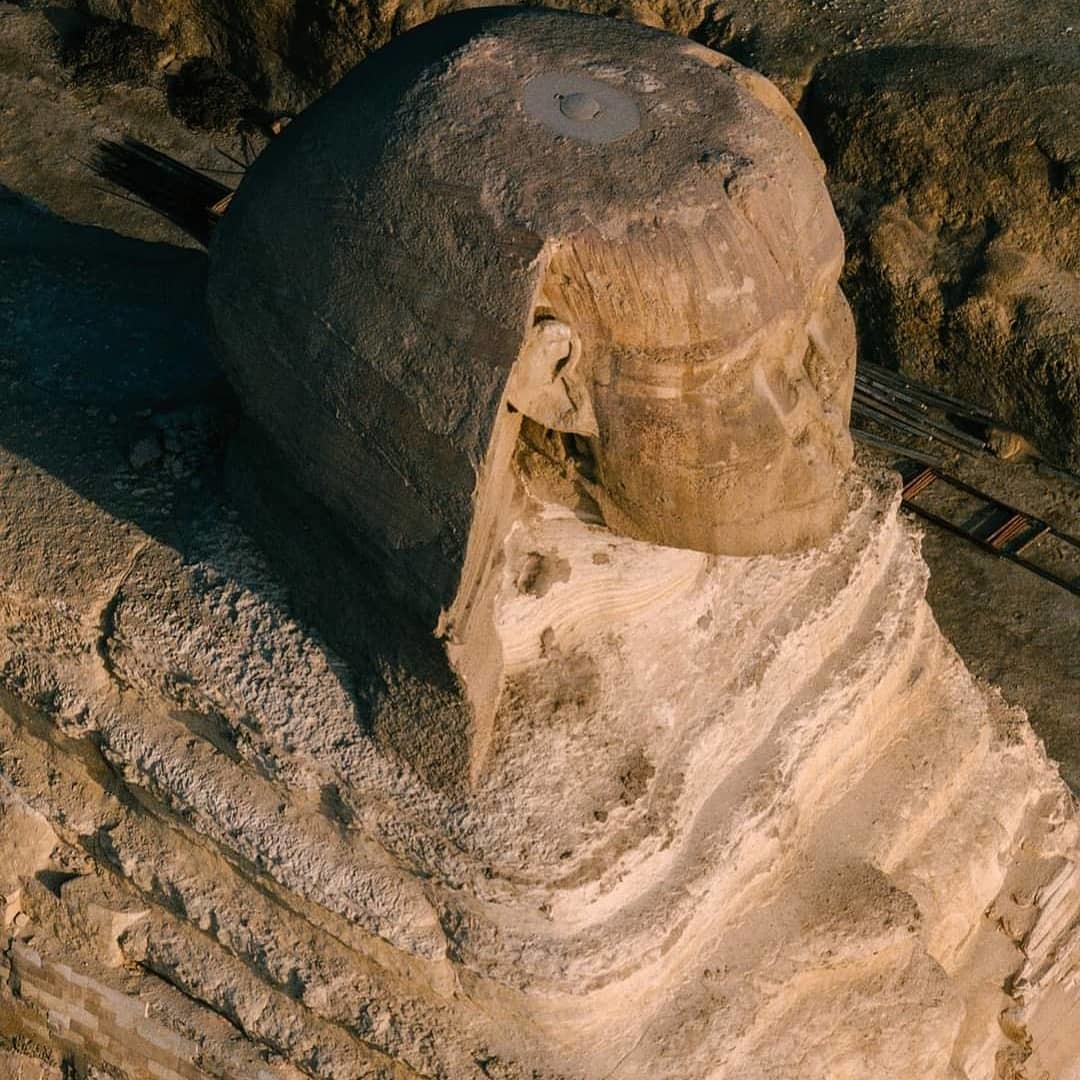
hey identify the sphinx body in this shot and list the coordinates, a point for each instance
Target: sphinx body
(748, 816)
(724, 802)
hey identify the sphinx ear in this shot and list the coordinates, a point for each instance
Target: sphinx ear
(545, 382)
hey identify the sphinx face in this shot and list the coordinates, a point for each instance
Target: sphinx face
(731, 460)
(709, 402)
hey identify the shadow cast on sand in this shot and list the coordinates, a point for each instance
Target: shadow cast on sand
(103, 354)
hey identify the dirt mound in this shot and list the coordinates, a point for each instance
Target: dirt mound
(957, 172)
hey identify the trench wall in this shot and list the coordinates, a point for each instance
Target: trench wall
(81, 1018)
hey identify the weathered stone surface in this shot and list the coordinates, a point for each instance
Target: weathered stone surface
(958, 175)
(370, 289)
(22, 1066)
(776, 765)
(653, 286)
(742, 814)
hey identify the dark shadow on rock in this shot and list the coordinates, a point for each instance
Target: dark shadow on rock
(55, 880)
(406, 692)
(208, 98)
(108, 384)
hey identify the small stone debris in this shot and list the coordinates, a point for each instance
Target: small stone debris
(145, 452)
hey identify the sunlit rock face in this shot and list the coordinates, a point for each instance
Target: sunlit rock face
(726, 803)
(756, 812)
(739, 816)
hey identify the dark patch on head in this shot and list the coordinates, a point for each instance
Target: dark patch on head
(206, 96)
(539, 572)
(102, 53)
(634, 778)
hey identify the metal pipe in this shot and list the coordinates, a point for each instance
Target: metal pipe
(915, 425)
(896, 448)
(932, 421)
(932, 396)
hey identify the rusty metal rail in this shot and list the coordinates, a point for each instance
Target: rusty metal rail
(1001, 530)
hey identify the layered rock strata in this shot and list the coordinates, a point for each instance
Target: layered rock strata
(751, 817)
(722, 801)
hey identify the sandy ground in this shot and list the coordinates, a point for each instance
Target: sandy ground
(1011, 627)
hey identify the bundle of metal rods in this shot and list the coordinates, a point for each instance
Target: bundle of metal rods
(188, 198)
(887, 398)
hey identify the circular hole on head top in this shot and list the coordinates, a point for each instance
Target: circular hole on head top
(579, 107)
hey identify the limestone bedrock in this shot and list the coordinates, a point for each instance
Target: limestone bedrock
(532, 229)
(744, 816)
(716, 810)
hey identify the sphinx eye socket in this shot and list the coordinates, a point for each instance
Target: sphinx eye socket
(562, 361)
(784, 390)
(821, 376)
(559, 343)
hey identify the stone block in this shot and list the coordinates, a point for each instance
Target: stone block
(10, 906)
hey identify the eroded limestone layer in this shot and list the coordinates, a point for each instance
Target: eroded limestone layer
(744, 817)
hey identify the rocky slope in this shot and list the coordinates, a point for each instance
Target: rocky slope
(967, 271)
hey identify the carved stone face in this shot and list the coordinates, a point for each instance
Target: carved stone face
(691, 433)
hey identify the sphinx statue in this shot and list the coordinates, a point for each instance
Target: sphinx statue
(497, 260)
(681, 778)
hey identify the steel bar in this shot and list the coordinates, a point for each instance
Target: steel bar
(869, 412)
(1040, 532)
(1059, 474)
(869, 381)
(940, 425)
(1013, 528)
(947, 401)
(884, 414)
(928, 401)
(1010, 530)
(919, 483)
(952, 527)
(896, 448)
(858, 409)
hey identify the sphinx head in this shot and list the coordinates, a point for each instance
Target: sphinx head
(529, 254)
